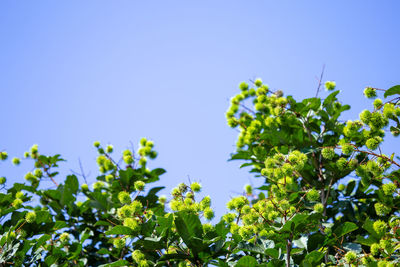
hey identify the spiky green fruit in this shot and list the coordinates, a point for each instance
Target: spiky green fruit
(119, 243)
(16, 161)
(3, 155)
(369, 92)
(258, 82)
(139, 185)
(137, 256)
(196, 187)
(380, 227)
(330, 85)
(328, 153)
(85, 187)
(17, 203)
(378, 103)
(30, 217)
(381, 209)
(313, 195)
(38, 173)
(350, 256)
(243, 86)
(319, 208)
(64, 237)
(109, 149)
(124, 197)
(389, 188)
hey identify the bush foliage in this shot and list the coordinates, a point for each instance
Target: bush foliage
(330, 196)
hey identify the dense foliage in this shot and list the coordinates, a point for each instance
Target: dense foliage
(330, 196)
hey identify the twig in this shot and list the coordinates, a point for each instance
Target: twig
(320, 80)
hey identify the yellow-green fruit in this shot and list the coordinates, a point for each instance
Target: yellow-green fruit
(341, 187)
(11, 235)
(128, 159)
(258, 82)
(378, 103)
(248, 189)
(328, 153)
(85, 187)
(38, 173)
(34, 149)
(131, 223)
(162, 199)
(369, 92)
(19, 194)
(381, 209)
(243, 86)
(64, 237)
(142, 161)
(3, 155)
(143, 141)
(2, 180)
(313, 195)
(136, 206)
(380, 227)
(119, 243)
(137, 256)
(109, 149)
(319, 208)
(16, 161)
(17, 203)
(96, 144)
(350, 256)
(124, 197)
(196, 187)
(109, 178)
(330, 85)
(208, 213)
(375, 249)
(389, 188)
(139, 185)
(30, 217)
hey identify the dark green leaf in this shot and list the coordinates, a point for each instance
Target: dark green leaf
(116, 263)
(120, 230)
(246, 261)
(345, 228)
(394, 90)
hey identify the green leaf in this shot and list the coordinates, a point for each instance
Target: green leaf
(190, 229)
(350, 187)
(272, 252)
(330, 98)
(116, 263)
(345, 228)
(103, 223)
(120, 230)
(366, 241)
(394, 90)
(353, 246)
(246, 261)
(297, 219)
(315, 241)
(99, 201)
(314, 258)
(72, 184)
(158, 171)
(59, 225)
(301, 242)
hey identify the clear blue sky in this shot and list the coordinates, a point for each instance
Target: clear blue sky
(72, 72)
